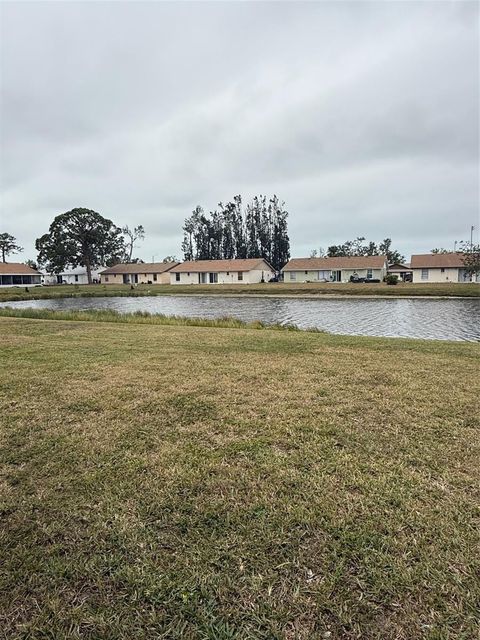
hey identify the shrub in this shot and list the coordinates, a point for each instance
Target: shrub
(391, 278)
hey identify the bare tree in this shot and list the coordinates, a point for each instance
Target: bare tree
(137, 233)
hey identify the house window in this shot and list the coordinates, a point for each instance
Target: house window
(188, 273)
(76, 278)
(424, 274)
(213, 277)
(106, 278)
(306, 273)
(154, 277)
(177, 277)
(240, 275)
(293, 275)
(228, 273)
(369, 273)
(442, 270)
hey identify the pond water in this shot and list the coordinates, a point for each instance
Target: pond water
(439, 319)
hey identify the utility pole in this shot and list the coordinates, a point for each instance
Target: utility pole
(471, 237)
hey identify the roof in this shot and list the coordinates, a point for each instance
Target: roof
(398, 266)
(212, 266)
(140, 267)
(436, 260)
(325, 264)
(17, 269)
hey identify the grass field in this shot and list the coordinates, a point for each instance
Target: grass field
(209, 483)
(282, 289)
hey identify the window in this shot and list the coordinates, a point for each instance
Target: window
(76, 278)
(177, 277)
(228, 273)
(293, 275)
(154, 277)
(424, 274)
(306, 273)
(369, 273)
(442, 270)
(213, 277)
(106, 278)
(240, 275)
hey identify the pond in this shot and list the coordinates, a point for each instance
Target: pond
(438, 319)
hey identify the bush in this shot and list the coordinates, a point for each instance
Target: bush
(391, 279)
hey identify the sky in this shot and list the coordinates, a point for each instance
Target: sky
(362, 116)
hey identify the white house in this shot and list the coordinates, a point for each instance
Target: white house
(440, 267)
(335, 269)
(236, 271)
(138, 273)
(77, 275)
(16, 274)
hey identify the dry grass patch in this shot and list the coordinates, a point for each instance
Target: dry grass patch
(188, 482)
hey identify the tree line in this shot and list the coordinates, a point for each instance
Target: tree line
(361, 247)
(258, 229)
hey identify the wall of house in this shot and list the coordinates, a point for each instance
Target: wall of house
(143, 278)
(322, 276)
(436, 275)
(225, 277)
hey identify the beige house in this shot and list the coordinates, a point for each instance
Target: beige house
(16, 274)
(402, 271)
(247, 271)
(440, 267)
(335, 269)
(141, 273)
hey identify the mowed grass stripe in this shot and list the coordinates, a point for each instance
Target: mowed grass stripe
(190, 482)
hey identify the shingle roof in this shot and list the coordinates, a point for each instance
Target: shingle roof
(141, 267)
(436, 260)
(215, 266)
(324, 264)
(16, 269)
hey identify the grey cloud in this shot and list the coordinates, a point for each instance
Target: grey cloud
(363, 117)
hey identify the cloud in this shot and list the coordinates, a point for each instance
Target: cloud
(363, 117)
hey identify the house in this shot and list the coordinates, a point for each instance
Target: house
(77, 275)
(235, 271)
(138, 273)
(16, 274)
(335, 269)
(402, 271)
(440, 267)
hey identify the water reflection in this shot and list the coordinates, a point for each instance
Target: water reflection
(441, 319)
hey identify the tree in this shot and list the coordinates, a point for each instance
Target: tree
(440, 251)
(80, 237)
(471, 258)
(32, 264)
(137, 233)
(358, 248)
(8, 245)
(170, 259)
(232, 231)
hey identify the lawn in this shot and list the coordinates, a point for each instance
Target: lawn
(227, 483)
(278, 289)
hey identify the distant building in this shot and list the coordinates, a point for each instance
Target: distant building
(236, 271)
(403, 271)
(77, 275)
(440, 267)
(16, 274)
(335, 269)
(138, 273)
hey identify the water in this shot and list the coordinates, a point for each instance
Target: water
(439, 319)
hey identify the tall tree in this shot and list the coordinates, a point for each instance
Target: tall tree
(259, 229)
(80, 237)
(8, 245)
(471, 258)
(137, 233)
(358, 248)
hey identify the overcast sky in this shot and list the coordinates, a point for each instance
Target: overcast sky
(363, 117)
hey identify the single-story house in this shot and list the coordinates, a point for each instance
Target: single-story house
(440, 267)
(402, 271)
(16, 274)
(335, 269)
(72, 276)
(138, 273)
(235, 271)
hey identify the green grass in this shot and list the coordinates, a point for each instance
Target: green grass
(144, 317)
(279, 289)
(209, 483)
